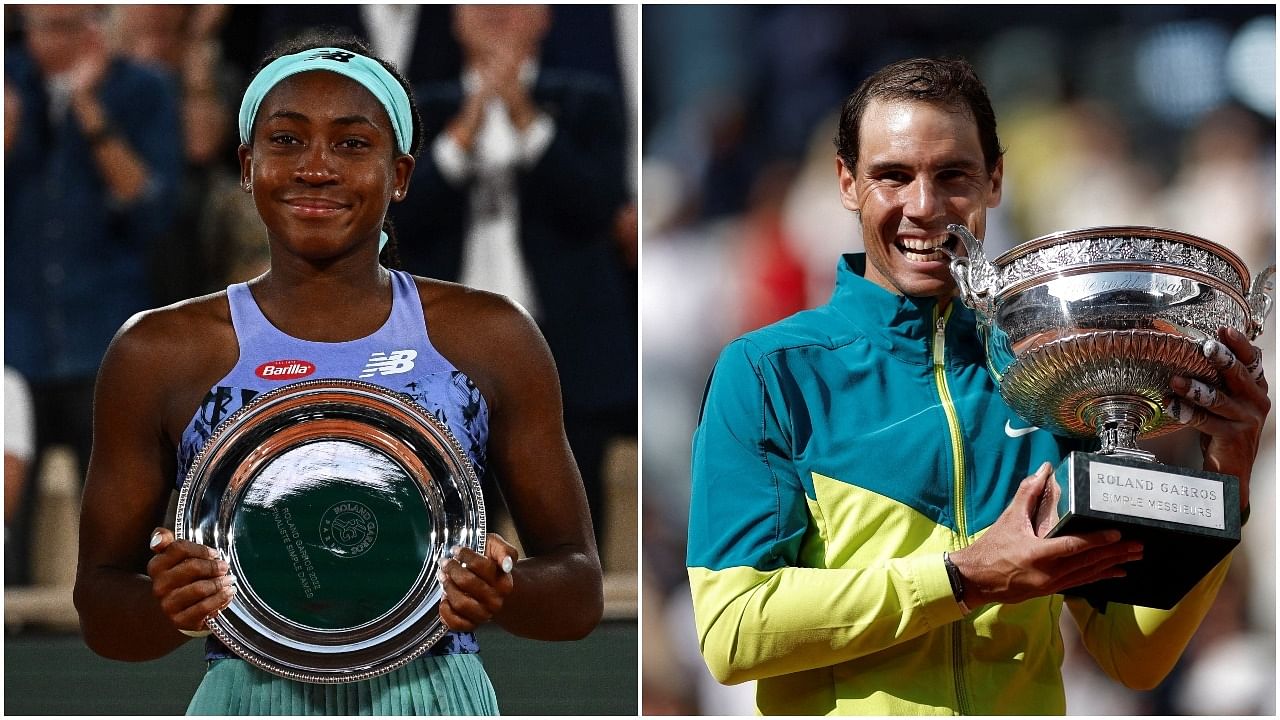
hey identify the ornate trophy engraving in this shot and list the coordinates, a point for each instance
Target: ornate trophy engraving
(1083, 331)
(332, 501)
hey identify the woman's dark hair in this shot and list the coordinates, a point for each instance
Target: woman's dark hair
(949, 83)
(330, 37)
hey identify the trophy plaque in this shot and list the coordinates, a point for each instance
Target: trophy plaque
(333, 502)
(1083, 331)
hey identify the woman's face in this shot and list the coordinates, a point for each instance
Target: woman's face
(324, 166)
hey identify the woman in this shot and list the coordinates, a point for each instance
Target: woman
(329, 138)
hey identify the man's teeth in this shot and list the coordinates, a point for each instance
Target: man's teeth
(922, 249)
(912, 243)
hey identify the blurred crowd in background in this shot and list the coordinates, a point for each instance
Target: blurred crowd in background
(122, 193)
(1156, 115)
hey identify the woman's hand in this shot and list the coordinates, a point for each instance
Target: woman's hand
(475, 585)
(191, 581)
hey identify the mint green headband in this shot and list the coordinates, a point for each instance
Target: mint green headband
(369, 73)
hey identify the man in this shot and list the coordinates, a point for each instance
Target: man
(862, 538)
(93, 151)
(519, 192)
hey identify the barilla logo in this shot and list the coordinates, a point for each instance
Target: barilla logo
(285, 369)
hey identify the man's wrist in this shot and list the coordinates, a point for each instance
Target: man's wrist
(520, 106)
(93, 120)
(957, 581)
(100, 133)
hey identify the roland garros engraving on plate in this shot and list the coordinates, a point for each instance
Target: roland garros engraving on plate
(348, 529)
(303, 568)
(1156, 495)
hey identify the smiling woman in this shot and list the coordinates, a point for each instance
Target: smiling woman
(369, 139)
(323, 173)
(329, 138)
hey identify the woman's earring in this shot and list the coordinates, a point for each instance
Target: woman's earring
(248, 186)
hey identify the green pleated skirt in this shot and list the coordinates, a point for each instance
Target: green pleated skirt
(430, 685)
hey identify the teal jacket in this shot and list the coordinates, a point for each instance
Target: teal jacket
(839, 453)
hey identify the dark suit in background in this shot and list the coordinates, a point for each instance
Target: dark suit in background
(435, 54)
(568, 202)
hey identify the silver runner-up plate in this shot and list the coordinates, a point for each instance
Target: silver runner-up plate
(333, 501)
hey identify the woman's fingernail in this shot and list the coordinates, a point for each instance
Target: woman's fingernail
(442, 562)
(441, 576)
(507, 564)
(455, 551)
(156, 538)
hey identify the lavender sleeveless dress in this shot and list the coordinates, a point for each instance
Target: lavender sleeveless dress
(449, 680)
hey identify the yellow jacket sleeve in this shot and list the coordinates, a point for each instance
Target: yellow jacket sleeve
(1138, 646)
(754, 624)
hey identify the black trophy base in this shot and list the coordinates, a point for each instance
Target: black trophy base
(1187, 521)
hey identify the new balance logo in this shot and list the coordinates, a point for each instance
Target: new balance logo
(1013, 432)
(397, 362)
(335, 55)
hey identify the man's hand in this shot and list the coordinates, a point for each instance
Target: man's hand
(465, 126)
(83, 80)
(90, 67)
(205, 21)
(1229, 418)
(1011, 562)
(502, 73)
(12, 113)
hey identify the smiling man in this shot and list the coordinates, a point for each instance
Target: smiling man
(864, 536)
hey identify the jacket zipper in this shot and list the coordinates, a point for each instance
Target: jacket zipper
(957, 453)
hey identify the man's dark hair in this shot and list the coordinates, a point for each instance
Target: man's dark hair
(949, 83)
(328, 37)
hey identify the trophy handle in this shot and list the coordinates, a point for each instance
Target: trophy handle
(977, 278)
(1260, 299)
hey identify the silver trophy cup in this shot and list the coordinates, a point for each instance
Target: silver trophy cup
(1083, 332)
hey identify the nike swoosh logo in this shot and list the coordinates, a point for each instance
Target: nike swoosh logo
(1013, 432)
